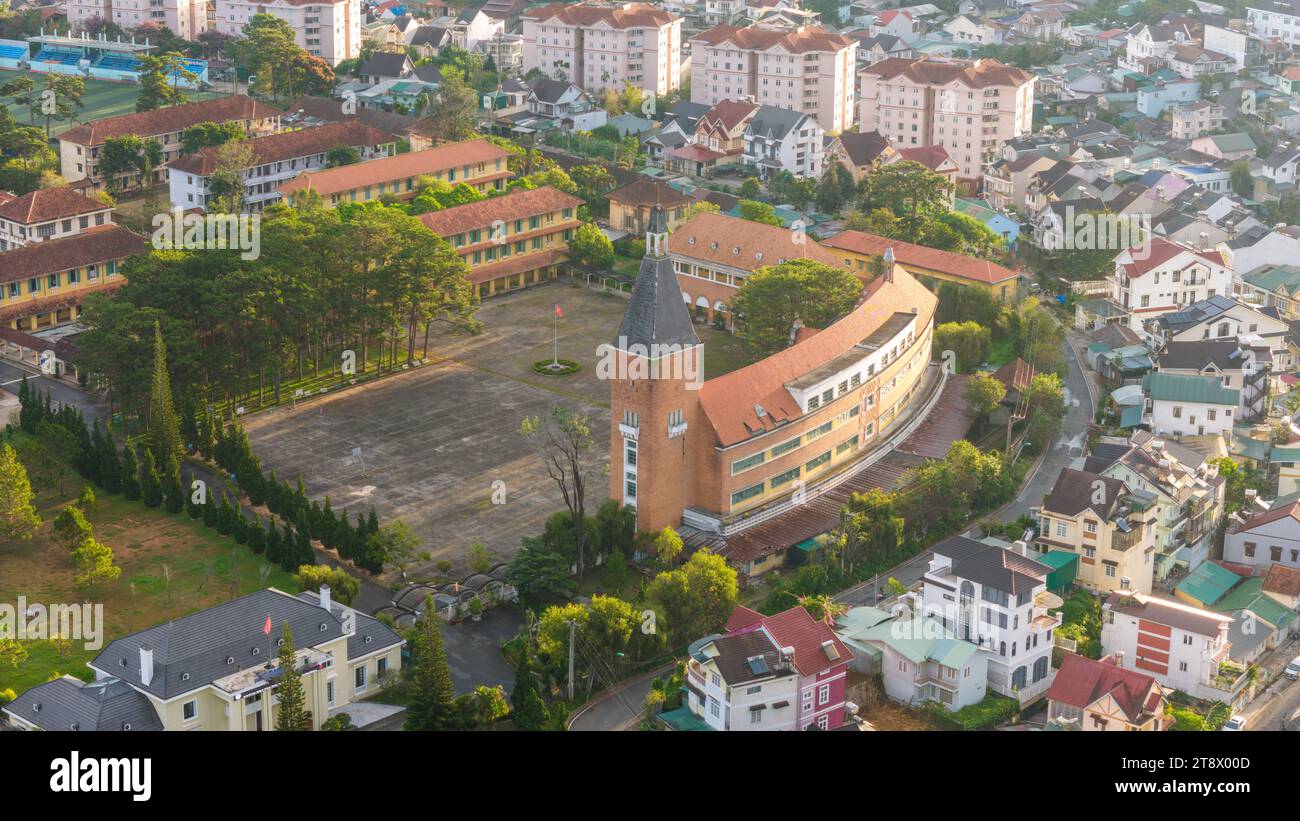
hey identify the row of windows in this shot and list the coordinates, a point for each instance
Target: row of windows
(504, 229)
(782, 448)
(52, 282)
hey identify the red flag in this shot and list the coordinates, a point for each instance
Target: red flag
(559, 312)
(266, 628)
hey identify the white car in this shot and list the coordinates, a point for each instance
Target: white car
(1234, 724)
(1292, 670)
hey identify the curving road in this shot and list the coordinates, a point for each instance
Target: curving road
(618, 710)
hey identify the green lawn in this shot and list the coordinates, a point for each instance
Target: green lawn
(1001, 351)
(150, 545)
(102, 99)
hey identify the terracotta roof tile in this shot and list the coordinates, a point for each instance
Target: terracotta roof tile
(809, 38)
(795, 628)
(397, 167)
(45, 204)
(937, 71)
(1283, 580)
(165, 120)
(290, 144)
(1081, 682)
(919, 256)
(742, 244)
(108, 242)
(1162, 250)
(628, 15)
(512, 206)
(647, 191)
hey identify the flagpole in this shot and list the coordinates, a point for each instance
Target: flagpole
(555, 324)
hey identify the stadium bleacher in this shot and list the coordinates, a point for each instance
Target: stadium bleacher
(118, 62)
(60, 56)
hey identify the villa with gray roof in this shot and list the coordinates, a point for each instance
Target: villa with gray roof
(779, 139)
(217, 669)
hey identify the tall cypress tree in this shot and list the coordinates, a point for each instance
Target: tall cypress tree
(210, 509)
(110, 468)
(173, 493)
(434, 704)
(274, 544)
(130, 473)
(150, 485)
(291, 713)
(164, 427)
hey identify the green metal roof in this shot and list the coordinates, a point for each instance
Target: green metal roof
(1284, 455)
(683, 719)
(1179, 388)
(1130, 416)
(1272, 277)
(1065, 568)
(918, 640)
(1208, 583)
(1255, 449)
(1234, 142)
(1249, 595)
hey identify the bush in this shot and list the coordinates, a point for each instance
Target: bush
(988, 713)
(563, 368)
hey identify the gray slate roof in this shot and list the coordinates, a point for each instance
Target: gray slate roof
(1223, 353)
(67, 704)
(656, 314)
(995, 567)
(1074, 491)
(774, 123)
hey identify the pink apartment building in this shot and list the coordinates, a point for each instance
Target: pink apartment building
(968, 107)
(328, 29)
(805, 68)
(185, 18)
(602, 46)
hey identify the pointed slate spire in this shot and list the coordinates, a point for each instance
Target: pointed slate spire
(656, 314)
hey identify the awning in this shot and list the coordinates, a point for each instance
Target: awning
(779, 704)
(754, 708)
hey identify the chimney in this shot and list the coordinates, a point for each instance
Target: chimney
(146, 664)
(325, 596)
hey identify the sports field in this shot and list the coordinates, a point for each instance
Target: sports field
(102, 99)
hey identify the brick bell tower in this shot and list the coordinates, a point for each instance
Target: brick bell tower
(654, 392)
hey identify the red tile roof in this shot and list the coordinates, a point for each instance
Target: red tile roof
(516, 265)
(730, 113)
(166, 120)
(1282, 580)
(921, 257)
(795, 628)
(1081, 682)
(102, 244)
(512, 206)
(931, 156)
(648, 191)
(628, 15)
(289, 145)
(1291, 511)
(1162, 250)
(940, 71)
(741, 618)
(45, 204)
(743, 244)
(397, 167)
(809, 38)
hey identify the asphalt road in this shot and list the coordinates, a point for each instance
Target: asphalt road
(11, 377)
(619, 710)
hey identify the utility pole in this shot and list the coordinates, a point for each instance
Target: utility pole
(573, 629)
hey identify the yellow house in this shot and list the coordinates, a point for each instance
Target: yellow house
(857, 249)
(1106, 525)
(43, 284)
(218, 669)
(511, 241)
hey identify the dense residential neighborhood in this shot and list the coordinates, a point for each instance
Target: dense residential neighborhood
(650, 366)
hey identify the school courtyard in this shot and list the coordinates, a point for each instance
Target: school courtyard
(435, 440)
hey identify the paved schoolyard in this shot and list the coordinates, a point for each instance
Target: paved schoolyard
(434, 440)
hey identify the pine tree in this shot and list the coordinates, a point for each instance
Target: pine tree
(164, 428)
(343, 535)
(173, 493)
(528, 711)
(110, 467)
(257, 535)
(433, 706)
(130, 473)
(314, 519)
(225, 516)
(274, 544)
(240, 530)
(210, 508)
(204, 438)
(291, 713)
(18, 518)
(271, 492)
(150, 484)
(329, 525)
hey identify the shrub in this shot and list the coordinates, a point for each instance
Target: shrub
(991, 711)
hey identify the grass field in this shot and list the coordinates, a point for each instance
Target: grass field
(148, 544)
(102, 99)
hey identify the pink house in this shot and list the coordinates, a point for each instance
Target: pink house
(781, 672)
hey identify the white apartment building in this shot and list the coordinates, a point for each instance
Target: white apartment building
(968, 107)
(1275, 18)
(279, 158)
(1196, 119)
(1266, 538)
(601, 46)
(806, 69)
(997, 599)
(1162, 277)
(328, 29)
(1181, 645)
(186, 19)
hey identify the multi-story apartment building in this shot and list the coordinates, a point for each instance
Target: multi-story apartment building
(1196, 119)
(782, 672)
(968, 107)
(47, 214)
(43, 284)
(998, 599)
(806, 69)
(1234, 39)
(328, 29)
(1109, 527)
(1183, 646)
(476, 163)
(766, 437)
(1161, 277)
(1265, 538)
(1278, 19)
(186, 19)
(277, 158)
(217, 669)
(1189, 494)
(511, 241)
(605, 46)
(80, 145)
(1101, 696)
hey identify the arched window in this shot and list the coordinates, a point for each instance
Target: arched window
(1040, 669)
(1002, 648)
(967, 596)
(1013, 649)
(1018, 677)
